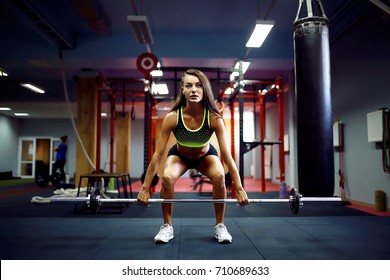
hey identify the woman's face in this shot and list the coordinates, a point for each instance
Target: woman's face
(192, 88)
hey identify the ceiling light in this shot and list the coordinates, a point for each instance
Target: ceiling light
(5, 109)
(228, 91)
(233, 76)
(141, 29)
(245, 66)
(21, 114)
(3, 73)
(156, 73)
(160, 88)
(260, 32)
(32, 87)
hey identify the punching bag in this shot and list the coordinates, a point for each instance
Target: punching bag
(313, 107)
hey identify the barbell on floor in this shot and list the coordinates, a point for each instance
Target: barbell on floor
(94, 200)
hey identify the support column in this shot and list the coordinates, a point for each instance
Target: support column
(123, 143)
(147, 125)
(232, 142)
(262, 138)
(86, 124)
(241, 122)
(281, 131)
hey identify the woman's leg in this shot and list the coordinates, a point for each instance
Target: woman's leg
(211, 167)
(173, 169)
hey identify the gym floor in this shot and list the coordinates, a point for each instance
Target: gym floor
(320, 231)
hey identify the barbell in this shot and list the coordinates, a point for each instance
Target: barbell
(94, 200)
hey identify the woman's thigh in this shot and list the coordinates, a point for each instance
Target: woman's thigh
(174, 167)
(211, 166)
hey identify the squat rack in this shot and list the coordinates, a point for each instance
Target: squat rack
(149, 102)
(274, 88)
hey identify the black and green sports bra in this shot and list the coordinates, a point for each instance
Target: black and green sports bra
(193, 138)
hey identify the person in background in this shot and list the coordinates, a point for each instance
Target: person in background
(59, 164)
(193, 119)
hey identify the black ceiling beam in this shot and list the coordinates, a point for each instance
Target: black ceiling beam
(43, 21)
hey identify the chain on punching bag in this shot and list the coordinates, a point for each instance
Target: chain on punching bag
(313, 100)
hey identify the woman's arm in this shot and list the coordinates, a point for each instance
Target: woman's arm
(219, 127)
(168, 124)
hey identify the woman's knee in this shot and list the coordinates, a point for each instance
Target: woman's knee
(167, 189)
(219, 188)
(218, 180)
(168, 180)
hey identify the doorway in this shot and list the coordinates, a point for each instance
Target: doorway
(36, 156)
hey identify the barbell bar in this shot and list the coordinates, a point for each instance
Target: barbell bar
(94, 200)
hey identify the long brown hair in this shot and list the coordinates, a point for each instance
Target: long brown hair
(208, 97)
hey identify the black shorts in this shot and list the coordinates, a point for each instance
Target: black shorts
(192, 162)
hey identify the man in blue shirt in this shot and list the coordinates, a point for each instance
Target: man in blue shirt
(61, 150)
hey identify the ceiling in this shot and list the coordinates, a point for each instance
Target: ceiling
(97, 39)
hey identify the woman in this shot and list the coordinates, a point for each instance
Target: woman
(193, 119)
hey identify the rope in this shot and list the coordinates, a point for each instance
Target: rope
(71, 114)
(59, 193)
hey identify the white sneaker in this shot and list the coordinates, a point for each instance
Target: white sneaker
(165, 234)
(221, 234)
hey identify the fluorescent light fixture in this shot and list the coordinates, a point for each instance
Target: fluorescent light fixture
(21, 114)
(228, 91)
(5, 109)
(161, 88)
(233, 76)
(103, 115)
(260, 32)
(141, 29)
(157, 73)
(245, 66)
(32, 87)
(3, 73)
